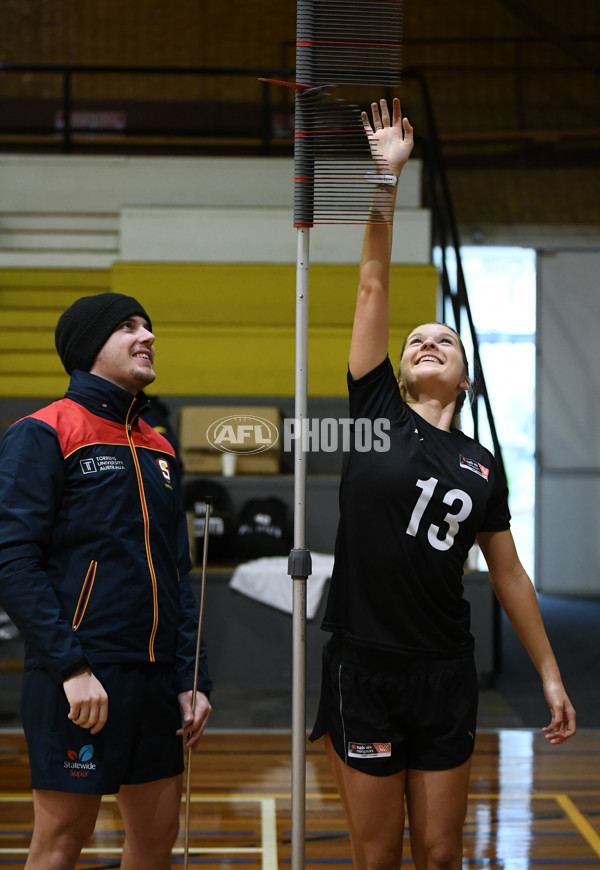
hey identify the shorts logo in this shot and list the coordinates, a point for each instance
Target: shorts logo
(369, 750)
(476, 467)
(80, 763)
(88, 466)
(165, 469)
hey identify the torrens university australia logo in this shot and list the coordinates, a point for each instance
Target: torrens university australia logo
(80, 763)
(242, 434)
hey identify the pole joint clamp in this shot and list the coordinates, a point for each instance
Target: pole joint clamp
(299, 564)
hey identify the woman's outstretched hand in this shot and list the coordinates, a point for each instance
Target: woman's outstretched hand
(391, 141)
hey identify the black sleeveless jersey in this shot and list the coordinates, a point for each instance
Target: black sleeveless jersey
(408, 518)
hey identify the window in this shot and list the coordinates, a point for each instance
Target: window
(501, 284)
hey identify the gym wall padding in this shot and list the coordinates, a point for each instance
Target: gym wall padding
(222, 329)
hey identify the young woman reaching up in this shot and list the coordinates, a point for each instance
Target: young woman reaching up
(398, 703)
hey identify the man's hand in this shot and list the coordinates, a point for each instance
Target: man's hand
(194, 721)
(88, 701)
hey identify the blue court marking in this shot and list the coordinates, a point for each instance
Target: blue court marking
(483, 862)
(311, 836)
(491, 834)
(318, 834)
(195, 833)
(192, 860)
(23, 833)
(528, 832)
(518, 862)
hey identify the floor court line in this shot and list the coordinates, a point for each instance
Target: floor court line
(268, 826)
(268, 823)
(580, 822)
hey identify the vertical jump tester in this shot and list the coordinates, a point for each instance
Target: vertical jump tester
(343, 44)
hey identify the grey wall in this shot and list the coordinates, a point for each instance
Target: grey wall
(568, 423)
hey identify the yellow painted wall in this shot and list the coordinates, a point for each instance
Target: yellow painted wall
(222, 329)
(31, 301)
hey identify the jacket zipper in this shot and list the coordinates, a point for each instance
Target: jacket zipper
(146, 518)
(84, 595)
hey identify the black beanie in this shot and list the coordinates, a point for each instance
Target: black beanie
(84, 327)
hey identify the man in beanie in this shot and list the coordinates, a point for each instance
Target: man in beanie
(94, 571)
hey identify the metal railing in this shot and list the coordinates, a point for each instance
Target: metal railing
(68, 134)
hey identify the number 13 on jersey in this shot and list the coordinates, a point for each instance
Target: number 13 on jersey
(452, 518)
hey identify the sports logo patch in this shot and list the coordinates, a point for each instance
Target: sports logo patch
(101, 463)
(476, 467)
(369, 750)
(80, 764)
(165, 469)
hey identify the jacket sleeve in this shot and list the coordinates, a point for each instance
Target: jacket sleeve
(31, 486)
(188, 625)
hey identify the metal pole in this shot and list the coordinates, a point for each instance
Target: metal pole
(67, 109)
(300, 567)
(188, 784)
(266, 119)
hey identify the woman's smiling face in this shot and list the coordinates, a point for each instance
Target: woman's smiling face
(433, 361)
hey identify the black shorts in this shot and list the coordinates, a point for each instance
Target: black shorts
(385, 713)
(138, 743)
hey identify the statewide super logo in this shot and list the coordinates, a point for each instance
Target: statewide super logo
(80, 763)
(242, 434)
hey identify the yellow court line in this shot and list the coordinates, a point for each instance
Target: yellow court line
(268, 824)
(580, 822)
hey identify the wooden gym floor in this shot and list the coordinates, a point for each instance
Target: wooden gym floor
(531, 805)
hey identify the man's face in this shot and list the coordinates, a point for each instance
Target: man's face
(127, 356)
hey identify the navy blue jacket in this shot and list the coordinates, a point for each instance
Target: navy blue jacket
(94, 553)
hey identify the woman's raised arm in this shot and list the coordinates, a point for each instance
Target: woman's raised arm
(391, 142)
